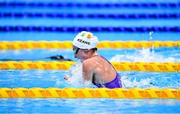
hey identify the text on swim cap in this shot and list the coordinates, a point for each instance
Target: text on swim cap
(82, 41)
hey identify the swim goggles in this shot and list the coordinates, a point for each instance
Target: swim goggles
(75, 49)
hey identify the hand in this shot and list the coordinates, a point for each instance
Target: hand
(66, 77)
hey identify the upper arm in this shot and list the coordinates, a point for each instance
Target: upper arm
(87, 71)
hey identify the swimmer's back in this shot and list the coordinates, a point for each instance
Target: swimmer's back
(103, 71)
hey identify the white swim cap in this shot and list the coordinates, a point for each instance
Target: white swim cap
(85, 40)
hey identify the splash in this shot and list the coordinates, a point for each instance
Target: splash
(75, 74)
(142, 83)
(142, 55)
(151, 39)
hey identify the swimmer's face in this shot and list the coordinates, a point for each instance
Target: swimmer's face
(80, 53)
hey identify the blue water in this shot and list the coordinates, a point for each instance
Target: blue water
(81, 106)
(102, 36)
(54, 78)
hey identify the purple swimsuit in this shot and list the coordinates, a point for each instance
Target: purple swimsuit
(116, 83)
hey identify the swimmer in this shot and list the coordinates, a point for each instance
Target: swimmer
(59, 58)
(55, 57)
(96, 68)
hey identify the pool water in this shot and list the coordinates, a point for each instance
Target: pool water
(54, 78)
(81, 106)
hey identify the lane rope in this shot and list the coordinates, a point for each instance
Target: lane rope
(88, 28)
(90, 5)
(92, 16)
(120, 93)
(16, 45)
(65, 65)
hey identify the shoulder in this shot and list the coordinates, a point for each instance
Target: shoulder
(89, 63)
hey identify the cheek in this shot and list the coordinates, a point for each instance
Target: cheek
(85, 56)
(82, 55)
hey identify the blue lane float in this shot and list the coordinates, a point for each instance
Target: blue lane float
(92, 15)
(87, 28)
(90, 5)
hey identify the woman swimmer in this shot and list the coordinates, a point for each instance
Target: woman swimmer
(96, 68)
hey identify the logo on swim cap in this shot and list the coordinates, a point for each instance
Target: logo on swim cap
(89, 35)
(85, 40)
(83, 34)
